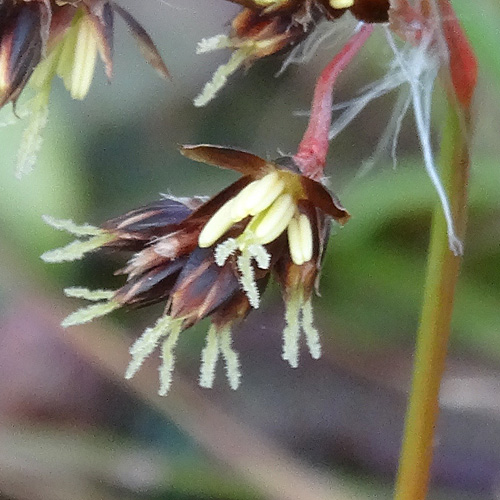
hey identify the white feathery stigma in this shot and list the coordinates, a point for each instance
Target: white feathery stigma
(87, 314)
(219, 342)
(209, 357)
(168, 358)
(230, 357)
(147, 343)
(299, 316)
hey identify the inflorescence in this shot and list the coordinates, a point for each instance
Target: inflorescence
(213, 258)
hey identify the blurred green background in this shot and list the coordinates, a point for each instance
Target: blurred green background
(73, 428)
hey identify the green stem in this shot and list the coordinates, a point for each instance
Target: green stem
(433, 334)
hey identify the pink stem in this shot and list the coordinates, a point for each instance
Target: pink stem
(311, 155)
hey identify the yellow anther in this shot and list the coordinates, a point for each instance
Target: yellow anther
(275, 220)
(294, 243)
(300, 240)
(267, 197)
(220, 222)
(341, 4)
(306, 237)
(78, 56)
(239, 209)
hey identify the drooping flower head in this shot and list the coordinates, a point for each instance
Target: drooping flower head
(40, 39)
(63, 38)
(429, 42)
(214, 258)
(266, 27)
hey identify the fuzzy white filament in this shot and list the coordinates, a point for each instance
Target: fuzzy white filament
(247, 278)
(336, 34)
(78, 248)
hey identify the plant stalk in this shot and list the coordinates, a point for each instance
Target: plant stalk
(432, 338)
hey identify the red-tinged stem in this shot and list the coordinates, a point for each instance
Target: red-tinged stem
(462, 60)
(312, 151)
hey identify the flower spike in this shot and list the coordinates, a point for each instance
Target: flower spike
(213, 259)
(43, 39)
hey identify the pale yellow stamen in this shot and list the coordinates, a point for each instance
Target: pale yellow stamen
(257, 196)
(294, 242)
(268, 189)
(219, 223)
(341, 4)
(306, 237)
(209, 357)
(275, 220)
(78, 57)
(239, 210)
(300, 239)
